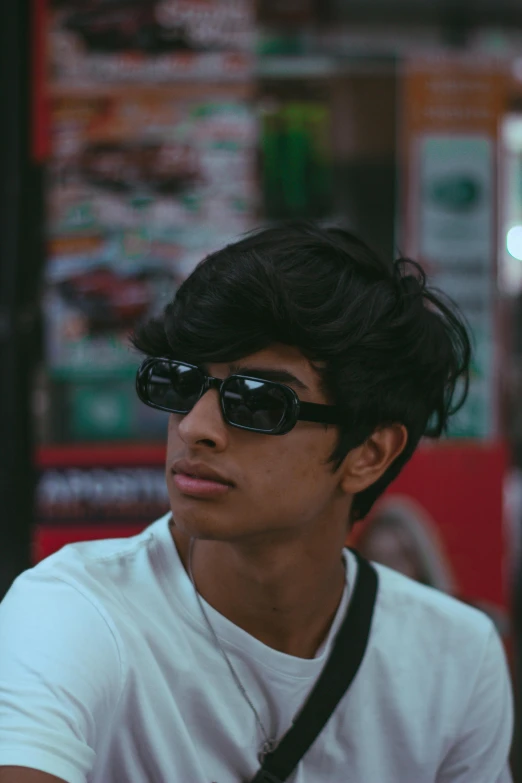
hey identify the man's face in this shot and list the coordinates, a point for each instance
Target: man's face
(278, 484)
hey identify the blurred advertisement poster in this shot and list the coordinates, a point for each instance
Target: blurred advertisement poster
(151, 40)
(141, 186)
(451, 114)
(153, 140)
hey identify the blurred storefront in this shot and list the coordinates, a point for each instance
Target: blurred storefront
(166, 128)
(169, 128)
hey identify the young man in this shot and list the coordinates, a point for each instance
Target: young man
(300, 372)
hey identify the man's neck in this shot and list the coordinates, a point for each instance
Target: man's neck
(286, 594)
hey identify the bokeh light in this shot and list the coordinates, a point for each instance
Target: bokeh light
(514, 242)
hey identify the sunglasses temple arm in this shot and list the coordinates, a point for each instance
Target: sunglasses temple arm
(322, 414)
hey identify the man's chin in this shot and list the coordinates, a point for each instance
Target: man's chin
(205, 526)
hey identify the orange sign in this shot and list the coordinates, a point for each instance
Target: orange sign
(453, 94)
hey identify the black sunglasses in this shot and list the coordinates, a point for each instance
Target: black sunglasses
(248, 403)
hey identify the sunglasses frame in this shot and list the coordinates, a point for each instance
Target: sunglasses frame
(296, 410)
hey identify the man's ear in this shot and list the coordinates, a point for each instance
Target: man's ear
(366, 463)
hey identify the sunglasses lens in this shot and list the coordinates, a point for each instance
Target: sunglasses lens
(257, 405)
(176, 387)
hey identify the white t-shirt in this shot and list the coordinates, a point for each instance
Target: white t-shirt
(108, 674)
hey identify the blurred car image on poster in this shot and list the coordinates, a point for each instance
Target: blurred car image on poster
(166, 169)
(151, 39)
(140, 188)
(92, 304)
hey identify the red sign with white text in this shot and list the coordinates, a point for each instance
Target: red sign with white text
(101, 491)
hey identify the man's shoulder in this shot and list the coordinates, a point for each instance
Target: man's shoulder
(102, 570)
(436, 672)
(418, 611)
(98, 553)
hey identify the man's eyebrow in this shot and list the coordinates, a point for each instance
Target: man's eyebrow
(269, 374)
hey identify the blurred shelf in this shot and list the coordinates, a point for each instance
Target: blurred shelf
(179, 90)
(296, 67)
(276, 67)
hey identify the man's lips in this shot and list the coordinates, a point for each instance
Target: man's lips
(199, 480)
(199, 487)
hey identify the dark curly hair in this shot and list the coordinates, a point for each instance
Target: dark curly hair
(388, 348)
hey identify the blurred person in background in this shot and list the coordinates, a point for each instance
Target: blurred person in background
(401, 535)
(300, 371)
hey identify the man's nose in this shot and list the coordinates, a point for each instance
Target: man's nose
(205, 424)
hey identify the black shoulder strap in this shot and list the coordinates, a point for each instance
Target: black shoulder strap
(335, 679)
